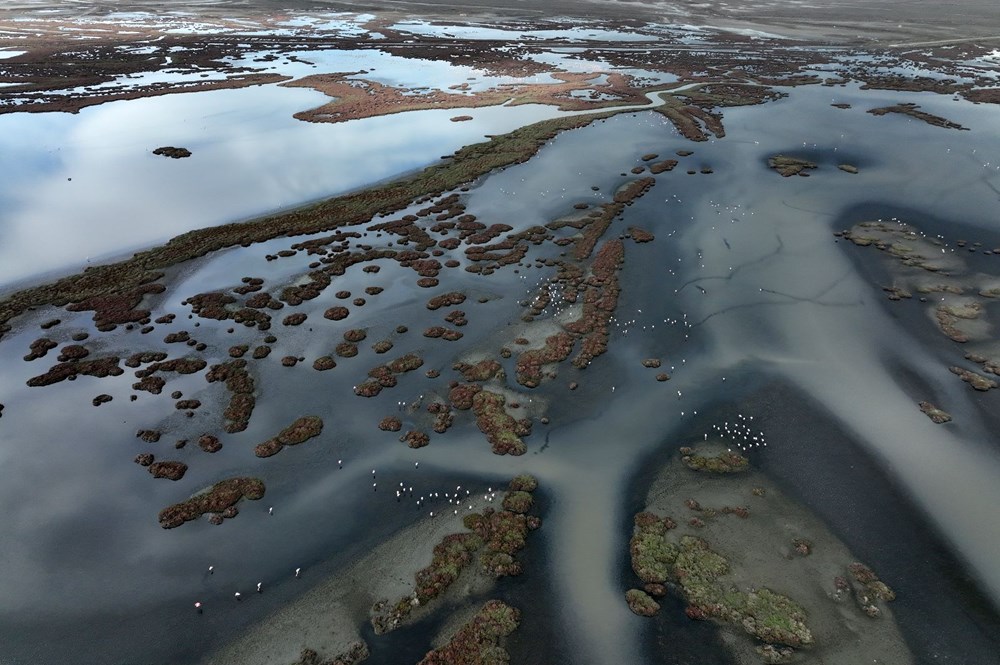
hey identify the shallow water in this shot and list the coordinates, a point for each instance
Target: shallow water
(88, 185)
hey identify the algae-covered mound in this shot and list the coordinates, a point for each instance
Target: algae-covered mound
(523, 483)
(745, 555)
(789, 166)
(726, 462)
(220, 498)
(698, 571)
(493, 539)
(479, 641)
(652, 555)
(641, 603)
(502, 430)
(299, 431)
(356, 652)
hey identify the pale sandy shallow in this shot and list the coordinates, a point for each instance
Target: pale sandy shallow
(328, 617)
(759, 550)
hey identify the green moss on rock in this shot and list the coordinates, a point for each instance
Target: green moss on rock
(523, 483)
(727, 462)
(641, 603)
(479, 641)
(500, 428)
(699, 573)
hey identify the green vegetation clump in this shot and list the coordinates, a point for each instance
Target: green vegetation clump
(451, 555)
(641, 603)
(788, 166)
(698, 571)
(523, 483)
(478, 642)
(517, 502)
(494, 536)
(652, 555)
(500, 428)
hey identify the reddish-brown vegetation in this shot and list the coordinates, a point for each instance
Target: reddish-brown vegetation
(299, 431)
(219, 498)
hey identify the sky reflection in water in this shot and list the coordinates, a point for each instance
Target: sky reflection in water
(87, 186)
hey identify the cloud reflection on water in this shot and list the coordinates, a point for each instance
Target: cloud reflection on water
(87, 186)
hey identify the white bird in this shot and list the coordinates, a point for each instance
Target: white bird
(270, 511)
(298, 572)
(211, 569)
(197, 606)
(259, 585)
(236, 595)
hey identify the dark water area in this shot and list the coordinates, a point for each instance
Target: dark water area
(941, 612)
(673, 639)
(536, 642)
(174, 632)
